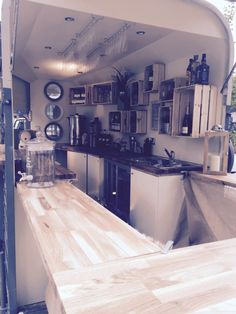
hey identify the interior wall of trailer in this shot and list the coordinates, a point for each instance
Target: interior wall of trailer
(173, 14)
(205, 35)
(185, 148)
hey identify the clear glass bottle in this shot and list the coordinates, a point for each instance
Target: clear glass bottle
(187, 123)
(195, 64)
(189, 72)
(40, 161)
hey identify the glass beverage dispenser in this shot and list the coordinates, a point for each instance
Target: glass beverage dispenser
(40, 161)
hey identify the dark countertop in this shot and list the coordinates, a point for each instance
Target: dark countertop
(63, 173)
(154, 164)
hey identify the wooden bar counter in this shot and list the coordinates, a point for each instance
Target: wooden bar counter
(200, 279)
(72, 231)
(229, 179)
(95, 263)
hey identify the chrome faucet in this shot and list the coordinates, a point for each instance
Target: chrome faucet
(22, 119)
(170, 154)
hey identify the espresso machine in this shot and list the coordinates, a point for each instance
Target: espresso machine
(76, 128)
(94, 131)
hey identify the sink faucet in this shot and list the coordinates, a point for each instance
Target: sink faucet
(20, 120)
(170, 154)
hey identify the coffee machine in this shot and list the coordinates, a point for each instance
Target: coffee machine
(94, 130)
(76, 128)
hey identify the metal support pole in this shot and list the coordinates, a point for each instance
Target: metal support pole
(9, 208)
(3, 296)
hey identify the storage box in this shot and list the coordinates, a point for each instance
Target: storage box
(201, 100)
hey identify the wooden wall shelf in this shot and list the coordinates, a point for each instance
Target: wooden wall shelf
(168, 115)
(104, 93)
(201, 100)
(153, 75)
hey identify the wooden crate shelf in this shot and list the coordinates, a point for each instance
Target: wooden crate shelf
(80, 95)
(104, 93)
(137, 96)
(201, 100)
(162, 116)
(153, 75)
(134, 121)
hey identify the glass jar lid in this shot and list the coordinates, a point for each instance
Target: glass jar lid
(40, 143)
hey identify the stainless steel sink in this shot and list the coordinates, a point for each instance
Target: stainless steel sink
(156, 163)
(173, 166)
(170, 164)
(144, 161)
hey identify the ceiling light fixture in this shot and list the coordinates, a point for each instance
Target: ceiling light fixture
(115, 44)
(48, 47)
(69, 19)
(140, 33)
(36, 67)
(78, 36)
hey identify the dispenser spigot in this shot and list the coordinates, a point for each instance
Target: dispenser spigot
(25, 177)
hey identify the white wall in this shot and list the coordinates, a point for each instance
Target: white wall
(185, 148)
(189, 23)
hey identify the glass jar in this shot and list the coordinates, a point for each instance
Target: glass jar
(40, 161)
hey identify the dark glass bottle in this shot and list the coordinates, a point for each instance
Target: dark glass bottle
(195, 64)
(187, 123)
(188, 72)
(203, 71)
(150, 78)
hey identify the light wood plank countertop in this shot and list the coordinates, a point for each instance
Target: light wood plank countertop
(74, 231)
(199, 279)
(98, 264)
(229, 179)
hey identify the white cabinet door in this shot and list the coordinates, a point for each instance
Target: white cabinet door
(170, 201)
(155, 204)
(95, 177)
(32, 279)
(77, 162)
(143, 202)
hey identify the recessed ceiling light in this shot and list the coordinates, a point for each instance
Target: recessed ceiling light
(140, 32)
(48, 47)
(36, 67)
(80, 72)
(102, 55)
(69, 19)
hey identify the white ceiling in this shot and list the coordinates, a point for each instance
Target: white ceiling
(40, 25)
